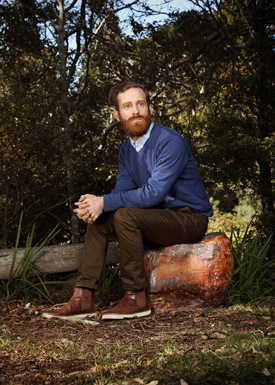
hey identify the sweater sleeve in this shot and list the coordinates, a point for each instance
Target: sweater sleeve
(171, 158)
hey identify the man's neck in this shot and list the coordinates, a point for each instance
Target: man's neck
(141, 140)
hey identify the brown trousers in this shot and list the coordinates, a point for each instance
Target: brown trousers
(132, 227)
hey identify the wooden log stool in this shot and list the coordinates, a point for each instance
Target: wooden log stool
(189, 277)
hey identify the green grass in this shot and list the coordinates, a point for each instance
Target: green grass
(24, 276)
(253, 273)
(240, 361)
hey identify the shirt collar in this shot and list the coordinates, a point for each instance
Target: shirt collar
(139, 144)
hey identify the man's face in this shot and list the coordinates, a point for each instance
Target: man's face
(134, 113)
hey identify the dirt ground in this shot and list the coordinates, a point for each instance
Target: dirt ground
(34, 350)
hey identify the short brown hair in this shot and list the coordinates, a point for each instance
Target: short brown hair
(113, 94)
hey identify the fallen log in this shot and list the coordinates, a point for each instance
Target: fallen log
(53, 259)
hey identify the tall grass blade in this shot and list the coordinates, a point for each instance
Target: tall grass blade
(252, 275)
(23, 277)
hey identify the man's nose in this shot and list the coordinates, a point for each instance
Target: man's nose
(135, 110)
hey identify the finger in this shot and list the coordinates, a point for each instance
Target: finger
(80, 200)
(81, 208)
(85, 218)
(78, 211)
(80, 204)
(81, 213)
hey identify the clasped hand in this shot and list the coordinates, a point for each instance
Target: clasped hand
(89, 208)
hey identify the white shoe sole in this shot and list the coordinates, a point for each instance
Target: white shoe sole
(68, 317)
(122, 316)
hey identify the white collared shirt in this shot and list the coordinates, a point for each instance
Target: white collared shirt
(139, 144)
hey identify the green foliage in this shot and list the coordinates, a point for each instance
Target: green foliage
(5, 341)
(109, 279)
(236, 221)
(24, 278)
(32, 171)
(253, 274)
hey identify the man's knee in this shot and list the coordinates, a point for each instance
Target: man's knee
(124, 217)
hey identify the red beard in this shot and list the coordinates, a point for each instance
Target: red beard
(136, 128)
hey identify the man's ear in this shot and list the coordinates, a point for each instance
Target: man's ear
(116, 115)
(151, 110)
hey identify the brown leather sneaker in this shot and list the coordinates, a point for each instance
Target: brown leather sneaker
(133, 304)
(80, 305)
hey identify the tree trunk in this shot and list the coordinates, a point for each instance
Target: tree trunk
(68, 154)
(265, 187)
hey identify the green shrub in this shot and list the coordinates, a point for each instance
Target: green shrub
(225, 222)
(253, 274)
(24, 278)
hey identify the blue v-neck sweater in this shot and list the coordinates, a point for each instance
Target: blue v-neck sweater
(162, 174)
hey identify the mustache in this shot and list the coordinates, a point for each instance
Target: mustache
(136, 116)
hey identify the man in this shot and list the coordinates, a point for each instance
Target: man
(158, 197)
